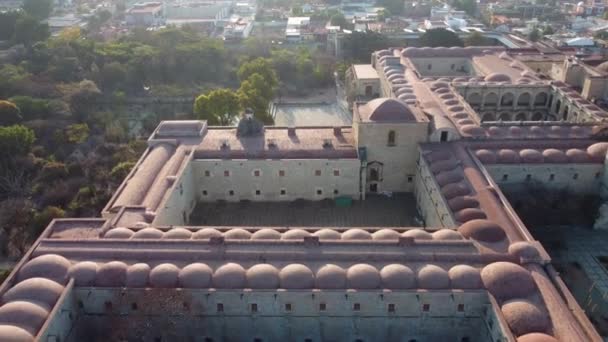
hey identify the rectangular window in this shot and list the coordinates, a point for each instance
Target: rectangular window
(317, 172)
(226, 173)
(283, 192)
(551, 177)
(281, 173)
(254, 307)
(231, 192)
(319, 192)
(426, 307)
(288, 307)
(204, 192)
(220, 307)
(336, 191)
(357, 307)
(575, 176)
(322, 307)
(207, 173)
(460, 307)
(505, 177)
(528, 178)
(410, 179)
(258, 192)
(336, 173)
(256, 173)
(391, 308)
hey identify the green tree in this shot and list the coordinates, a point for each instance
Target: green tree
(218, 107)
(32, 108)
(383, 14)
(43, 218)
(39, 9)
(7, 24)
(476, 39)
(15, 140)
(9, 113)
(548, 30)
(112, 75)
(121, 170)
(469, 6)
(360, 45)
(260, 66)
(338, 19)
(77, 133)
(440, 37)
(296, 11)
(28, 31)
(395, 7)
(534, 35)
(255, 94)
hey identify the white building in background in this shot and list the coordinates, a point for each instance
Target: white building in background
(237, 28)
(145, 14)
(297, 29)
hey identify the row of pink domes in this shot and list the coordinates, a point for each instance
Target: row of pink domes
(272, 234)
(595, 153)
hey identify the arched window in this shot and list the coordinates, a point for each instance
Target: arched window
(391, 138)
(474, 99)
(520, 117)
(566, 110)
(491, 99)
(487, 117)
(504, 117)
(538, 116)
(540, 99)
(524, 99)
(507, 99)
(558, 105)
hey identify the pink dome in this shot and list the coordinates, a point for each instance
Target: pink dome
(330, 277)
(386, 234)
(536, 337)
(11, 333)
(467, 121)
(525, 317)
(164, 276)
(266, 234)
(482, 230)
(263, 276)
(119, 233)
(448, 177)
(507, 156)
(515, 131)
(524, 250)
(356, 234)
(397, 277)
(84, 273)
(34, 290)
(295, 234)
(597, 151)
(418, 234)
(237, 234)
(576, 155)
(229, 276)
(296, 276)
(553, 155)
(473, 130)
(206, 233)
(51, 266)
(433, 277)
(446, 234)
(436, 156)
(138, 275)
(148, 233)
(29, 316)
(362, 276)
(469, 214)
(460, 115)
(462, 202)
(327, 234)
(506, 280)
(531, 156)
(486, 156)
(443, 165)
(111, 274)
(178, 233)
(465, 277)
(195, 276)
(496, 77)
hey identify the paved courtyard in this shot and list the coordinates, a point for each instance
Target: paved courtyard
(375, 211)
(311, 114)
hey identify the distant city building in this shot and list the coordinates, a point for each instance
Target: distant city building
(145, 14)
(237, 28)
(298, 29)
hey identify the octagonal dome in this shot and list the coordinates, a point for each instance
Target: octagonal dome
(386, 110)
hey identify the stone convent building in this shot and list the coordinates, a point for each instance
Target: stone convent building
(449, 125)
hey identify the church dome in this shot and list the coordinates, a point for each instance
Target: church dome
(525, 317)
(362, 276)
(497, 77)
(51, 266)
(137, 275)
(197, 276)
(34, 289)
(118, 233)
(465, 277)
(178, 233)
(386, 110)
(330, 277)
(206, 233)
(506, 280)
(84, 273)
(327, 234)
(433, 277)
(397, 276)
(263, 276)
(164, 276)
(266, 234)
(24, 314)
(296, 276)
(111, 274)
(11, 333)
(482, 230)
(229, 276)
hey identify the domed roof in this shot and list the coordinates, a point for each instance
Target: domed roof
(386, 234)
(576, 155)
(418, 234)
(525, 317)
(508, 156)
(229, 276)
(356, 234)
(433, 277)
(397, 276)
(536, 337)
(454, 190)
(164, 276)
(465, 277)
(482, 230)
(386, 110)
(11, 333)
(84, 273)
(330, 277)
(111, 274)
(469, 214)
(362, 276)
(195, 276)
(553, 155)
(486, 156)
(148, 233)
(327, 234)
(436, 156)
(34, 289)
(446, 234)
(506, 280)
(462, 202)
(529, 155)
(51, 266)
(603, 67)
(27, 315)
(137, 275)
(497, 77)
(178, 233)
(473, 130)
(443, 165)
(263, 276)
(237, 234)
(524, 249)
(597, 151)
(296, 276)
(448, 177)
(266, 234)
(119, 233)
(206, 233)
(295, 234)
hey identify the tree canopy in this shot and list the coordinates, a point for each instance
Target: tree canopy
(469, 6)
(338, 19)
(360, 45)
(39, 9)
(16, 140)
(395, 7)
(440, 37)
(218, 107)
(476, 39)
(9, 113)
